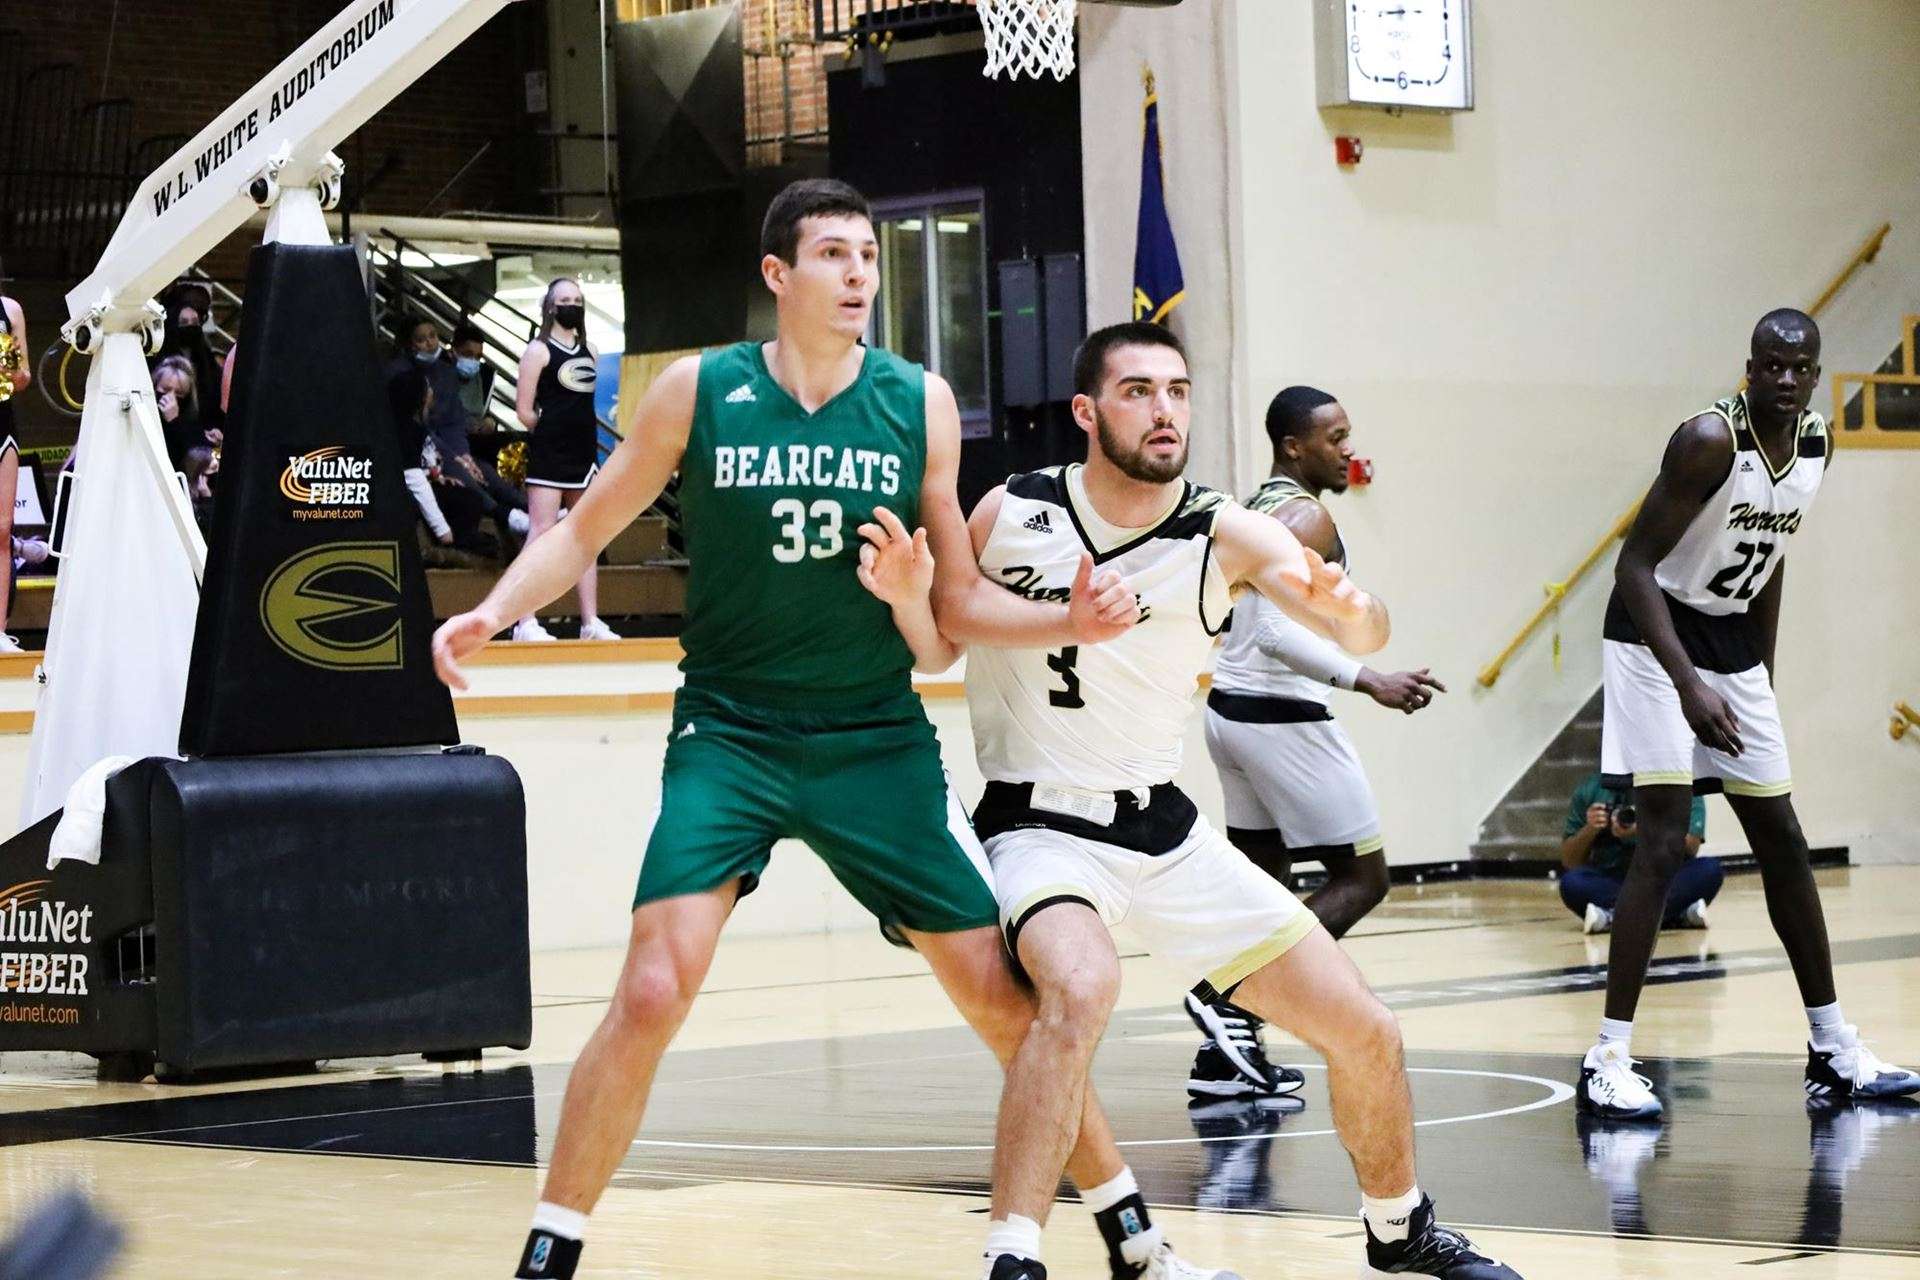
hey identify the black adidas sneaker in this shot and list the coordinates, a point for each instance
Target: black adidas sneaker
(1233, 1062)
(1431, 1250)
(1008, 1267)
(1851, 1070)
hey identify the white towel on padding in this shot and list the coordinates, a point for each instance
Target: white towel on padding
(78, 834)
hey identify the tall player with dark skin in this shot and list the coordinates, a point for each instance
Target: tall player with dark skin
(1782, 371)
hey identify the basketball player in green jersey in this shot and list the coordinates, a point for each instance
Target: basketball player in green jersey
(804, 462)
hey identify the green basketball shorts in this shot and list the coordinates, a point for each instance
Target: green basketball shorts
(862, 785)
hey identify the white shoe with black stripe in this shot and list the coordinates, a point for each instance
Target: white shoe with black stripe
(1233, 1061)
(1611, 1089)
(1851, 1070)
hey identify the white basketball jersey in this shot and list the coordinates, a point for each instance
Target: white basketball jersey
(1242, 667)
(1738, 539)
(1105, 717)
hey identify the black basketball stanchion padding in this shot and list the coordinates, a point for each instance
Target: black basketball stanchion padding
(319, 879)
(314, 625)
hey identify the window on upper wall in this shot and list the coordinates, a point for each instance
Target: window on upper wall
(932, 306)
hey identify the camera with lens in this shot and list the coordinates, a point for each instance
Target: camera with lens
(1623, 816)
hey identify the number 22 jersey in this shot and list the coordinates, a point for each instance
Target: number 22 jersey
(1735, 543)
(1105, 717)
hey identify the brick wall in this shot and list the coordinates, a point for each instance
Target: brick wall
(768, 28)
(183, 61)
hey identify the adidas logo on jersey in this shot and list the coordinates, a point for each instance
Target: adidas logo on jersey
(742, 394)
(1038, 523)
(1746, 464)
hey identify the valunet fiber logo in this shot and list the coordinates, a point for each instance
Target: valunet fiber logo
(328, 484)
(38, 937)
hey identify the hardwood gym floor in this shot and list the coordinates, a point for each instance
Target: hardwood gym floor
(824, 1114)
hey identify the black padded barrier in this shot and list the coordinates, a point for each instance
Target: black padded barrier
(251, 912)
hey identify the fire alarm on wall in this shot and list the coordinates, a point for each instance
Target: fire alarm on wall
(1348, 150)
(1360, 471)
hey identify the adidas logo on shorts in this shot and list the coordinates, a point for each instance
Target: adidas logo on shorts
(742, 394)
(1038, 523)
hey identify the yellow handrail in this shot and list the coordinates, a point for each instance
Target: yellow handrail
(1869, 434)
(1868, 252)
(1556, 591)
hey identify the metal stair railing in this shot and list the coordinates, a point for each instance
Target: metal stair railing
(400, 289)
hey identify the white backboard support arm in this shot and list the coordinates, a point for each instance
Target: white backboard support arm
(278, 136)
(121, 637)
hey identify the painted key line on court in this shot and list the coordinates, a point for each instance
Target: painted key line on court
(1556, 1093)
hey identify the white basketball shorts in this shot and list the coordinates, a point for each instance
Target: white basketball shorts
(1645, 737)
(1199, 904)
(1303, 780)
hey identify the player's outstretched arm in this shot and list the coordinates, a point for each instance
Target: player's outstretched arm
(1695, 464)
(1322, 661)
(1261, 552)
(633, 477)
(972, 610)
(1319, 660)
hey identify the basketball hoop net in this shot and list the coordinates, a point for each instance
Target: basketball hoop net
(1028, 37)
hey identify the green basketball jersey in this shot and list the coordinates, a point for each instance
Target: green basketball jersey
(770, 500)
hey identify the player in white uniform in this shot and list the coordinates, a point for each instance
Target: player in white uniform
(1689, 699)
(1292, 782)
(1081, 820)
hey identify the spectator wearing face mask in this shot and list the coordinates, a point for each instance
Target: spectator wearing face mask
(446, 426)
(182, 420)
(188, 311)
(454, 492)
(476, 375)
(409, 395)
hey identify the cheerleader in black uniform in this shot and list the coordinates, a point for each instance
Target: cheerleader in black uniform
(555, 403)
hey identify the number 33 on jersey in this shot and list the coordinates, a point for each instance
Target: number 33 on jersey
(768, 494)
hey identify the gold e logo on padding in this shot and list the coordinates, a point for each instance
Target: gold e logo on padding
(311, 603)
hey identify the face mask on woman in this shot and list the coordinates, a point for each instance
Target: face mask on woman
(469, 366)
(426, 357)
(570, 316)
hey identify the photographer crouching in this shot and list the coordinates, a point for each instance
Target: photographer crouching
(1602, 832)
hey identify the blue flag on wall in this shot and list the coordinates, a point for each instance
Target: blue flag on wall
(1158, 286)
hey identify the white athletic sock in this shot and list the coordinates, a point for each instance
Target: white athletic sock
(1391, 1218)
(1616, 1031)
(1825, 1023)
(1015, 1235)
(568, 1223)
(1110, 1193)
